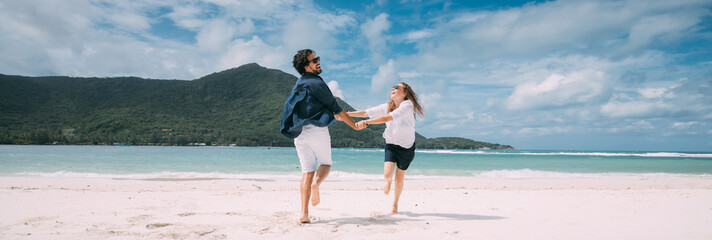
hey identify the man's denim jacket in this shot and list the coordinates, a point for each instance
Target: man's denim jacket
(311, 102)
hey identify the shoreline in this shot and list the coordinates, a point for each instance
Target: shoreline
(378, 148)
(450, 207)
(336, 175)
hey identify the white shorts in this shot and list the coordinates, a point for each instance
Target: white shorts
(313, 142)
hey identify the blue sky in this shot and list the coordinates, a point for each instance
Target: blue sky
(588, 75)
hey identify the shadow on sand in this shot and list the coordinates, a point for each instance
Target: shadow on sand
(450, 216)
(409, 217)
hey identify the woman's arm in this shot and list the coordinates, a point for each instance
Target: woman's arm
(361, 114)
(399, 112)
(378, 120)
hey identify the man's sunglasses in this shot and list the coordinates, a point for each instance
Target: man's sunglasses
(316, 59)
(396, 86)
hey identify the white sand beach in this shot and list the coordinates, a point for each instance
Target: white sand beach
(448, 208)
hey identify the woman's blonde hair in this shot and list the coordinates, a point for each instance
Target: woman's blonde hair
(409, 95)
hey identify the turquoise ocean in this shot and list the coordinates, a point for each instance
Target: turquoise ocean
(145, 162)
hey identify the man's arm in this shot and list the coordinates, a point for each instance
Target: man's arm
(345, 117)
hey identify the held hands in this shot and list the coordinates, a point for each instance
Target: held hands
(345, 117)
(361, 125)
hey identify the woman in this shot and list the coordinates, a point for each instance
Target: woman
(399, 117)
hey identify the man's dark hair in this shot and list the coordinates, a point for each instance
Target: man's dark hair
(300, 60)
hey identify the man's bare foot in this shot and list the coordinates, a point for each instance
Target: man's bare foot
(387, 188)
(315, 194)
(304, 219)
(394, 210)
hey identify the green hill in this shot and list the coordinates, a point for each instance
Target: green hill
(240, 106)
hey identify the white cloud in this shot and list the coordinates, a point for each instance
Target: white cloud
(115, 38)
(410, 74)
(539, 131)
(130, 21)
(245, 27)
(636, 108)
(243, 51)
(373, 30)
(82, 39)
(387, 74)
(429, 100)
(467, 17)
(301, 33)
(266, 10)
(334, 87)
(43, 24)
(418, 35)
(601, 28)
(447, 115)
(334, 22)
(215, 35)
(684, 125)
(562, 64)
(652, 92)
(187, 16)
(631, 126)
(342, 66)
(665, 27)
(684, 97)
(448, 126)
(560, 90)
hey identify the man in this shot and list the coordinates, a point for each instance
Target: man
(309, 110)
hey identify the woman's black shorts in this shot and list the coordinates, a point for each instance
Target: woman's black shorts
(401, 156)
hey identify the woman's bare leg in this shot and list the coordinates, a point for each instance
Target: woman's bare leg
(306, 193)
(388, 175)
(400, 176)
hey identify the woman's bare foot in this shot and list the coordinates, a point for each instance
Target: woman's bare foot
(387, 188)
(394, 210)
(315, 194)
(304, 219)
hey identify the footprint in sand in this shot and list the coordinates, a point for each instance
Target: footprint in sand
(157, 225)
(377, 214)
(139, 218)
(36, 220)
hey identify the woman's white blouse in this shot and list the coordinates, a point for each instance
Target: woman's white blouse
(400, 131)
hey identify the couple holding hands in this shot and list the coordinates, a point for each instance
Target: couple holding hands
(311, 108)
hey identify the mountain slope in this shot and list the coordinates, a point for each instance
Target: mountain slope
(239, 106)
